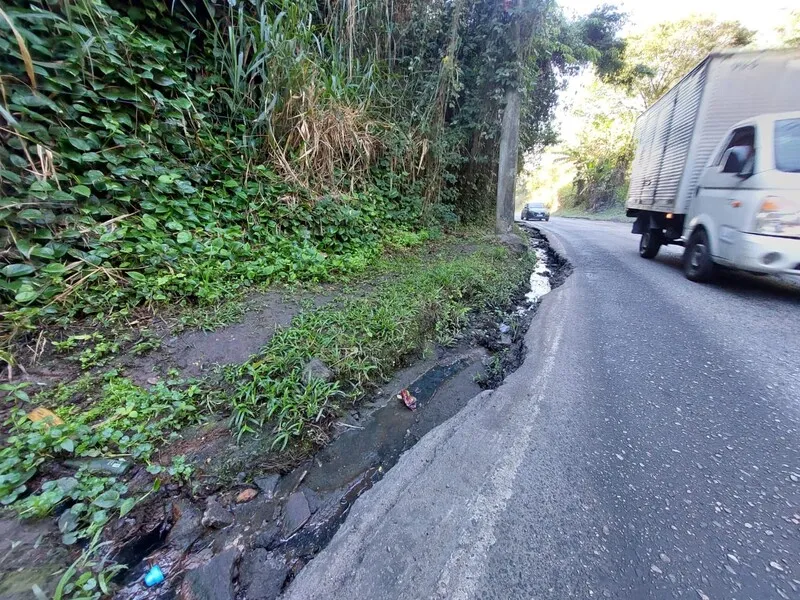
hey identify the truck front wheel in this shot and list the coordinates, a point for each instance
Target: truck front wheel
(650, 243)
(697, 262)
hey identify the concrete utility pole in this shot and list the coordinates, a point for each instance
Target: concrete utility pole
(509, 146)
(507, 164)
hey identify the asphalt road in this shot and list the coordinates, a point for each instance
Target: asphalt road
(649, 447)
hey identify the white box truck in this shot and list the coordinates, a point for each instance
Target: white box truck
(717, 166)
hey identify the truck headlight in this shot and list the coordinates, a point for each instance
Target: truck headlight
(778, 215)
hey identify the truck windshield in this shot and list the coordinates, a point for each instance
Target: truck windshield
(787, 145)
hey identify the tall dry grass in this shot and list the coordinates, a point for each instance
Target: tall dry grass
(304, 98)
(326, 140)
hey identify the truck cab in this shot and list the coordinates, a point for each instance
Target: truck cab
(745, 213)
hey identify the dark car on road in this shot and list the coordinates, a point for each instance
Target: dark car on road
(535, 211)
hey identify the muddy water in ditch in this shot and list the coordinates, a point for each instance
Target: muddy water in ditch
(540, 278)
(362, 454)
(371, 440)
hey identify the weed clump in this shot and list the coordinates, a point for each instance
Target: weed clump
(366, 338)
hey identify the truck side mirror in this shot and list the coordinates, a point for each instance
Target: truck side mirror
(739, 160)
(732, 161)
(747, 169)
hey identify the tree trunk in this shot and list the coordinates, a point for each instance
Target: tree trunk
(507, 164)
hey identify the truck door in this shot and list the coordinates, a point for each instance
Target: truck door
(720, 202)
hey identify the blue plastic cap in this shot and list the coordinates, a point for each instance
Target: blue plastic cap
(154, 576)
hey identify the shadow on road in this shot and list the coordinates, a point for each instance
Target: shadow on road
(780, 288)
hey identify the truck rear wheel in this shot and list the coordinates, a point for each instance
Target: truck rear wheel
(697, 262)
(650, 243)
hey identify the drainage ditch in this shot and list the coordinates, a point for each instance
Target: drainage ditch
(256, 548)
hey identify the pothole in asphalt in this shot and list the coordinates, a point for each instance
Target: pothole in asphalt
(292, 518)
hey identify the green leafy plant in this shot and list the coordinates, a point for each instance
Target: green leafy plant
(181, 152)
(147, 342)
(138, 195)
(100, 352)
(493, 372)
(90, 576)
(365, 338)
(74, 341)
(126, 421)
(179, 469)
(15, 391)
(62, 394)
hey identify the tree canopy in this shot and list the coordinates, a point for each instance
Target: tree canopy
(654, 60)
(636, 74)
(602, 152)
(789, 32)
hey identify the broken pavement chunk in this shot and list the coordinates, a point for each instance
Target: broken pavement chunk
(296, 513)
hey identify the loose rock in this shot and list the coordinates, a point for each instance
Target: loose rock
(296, 512)
(262, 575)
(290, 482)
(316, 369)
(266, 537)
(216, 516)
(187, 528)
(315, 501)
(211, 581)
(267, 484)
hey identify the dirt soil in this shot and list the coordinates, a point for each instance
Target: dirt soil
(192, 352)
(196, 352)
